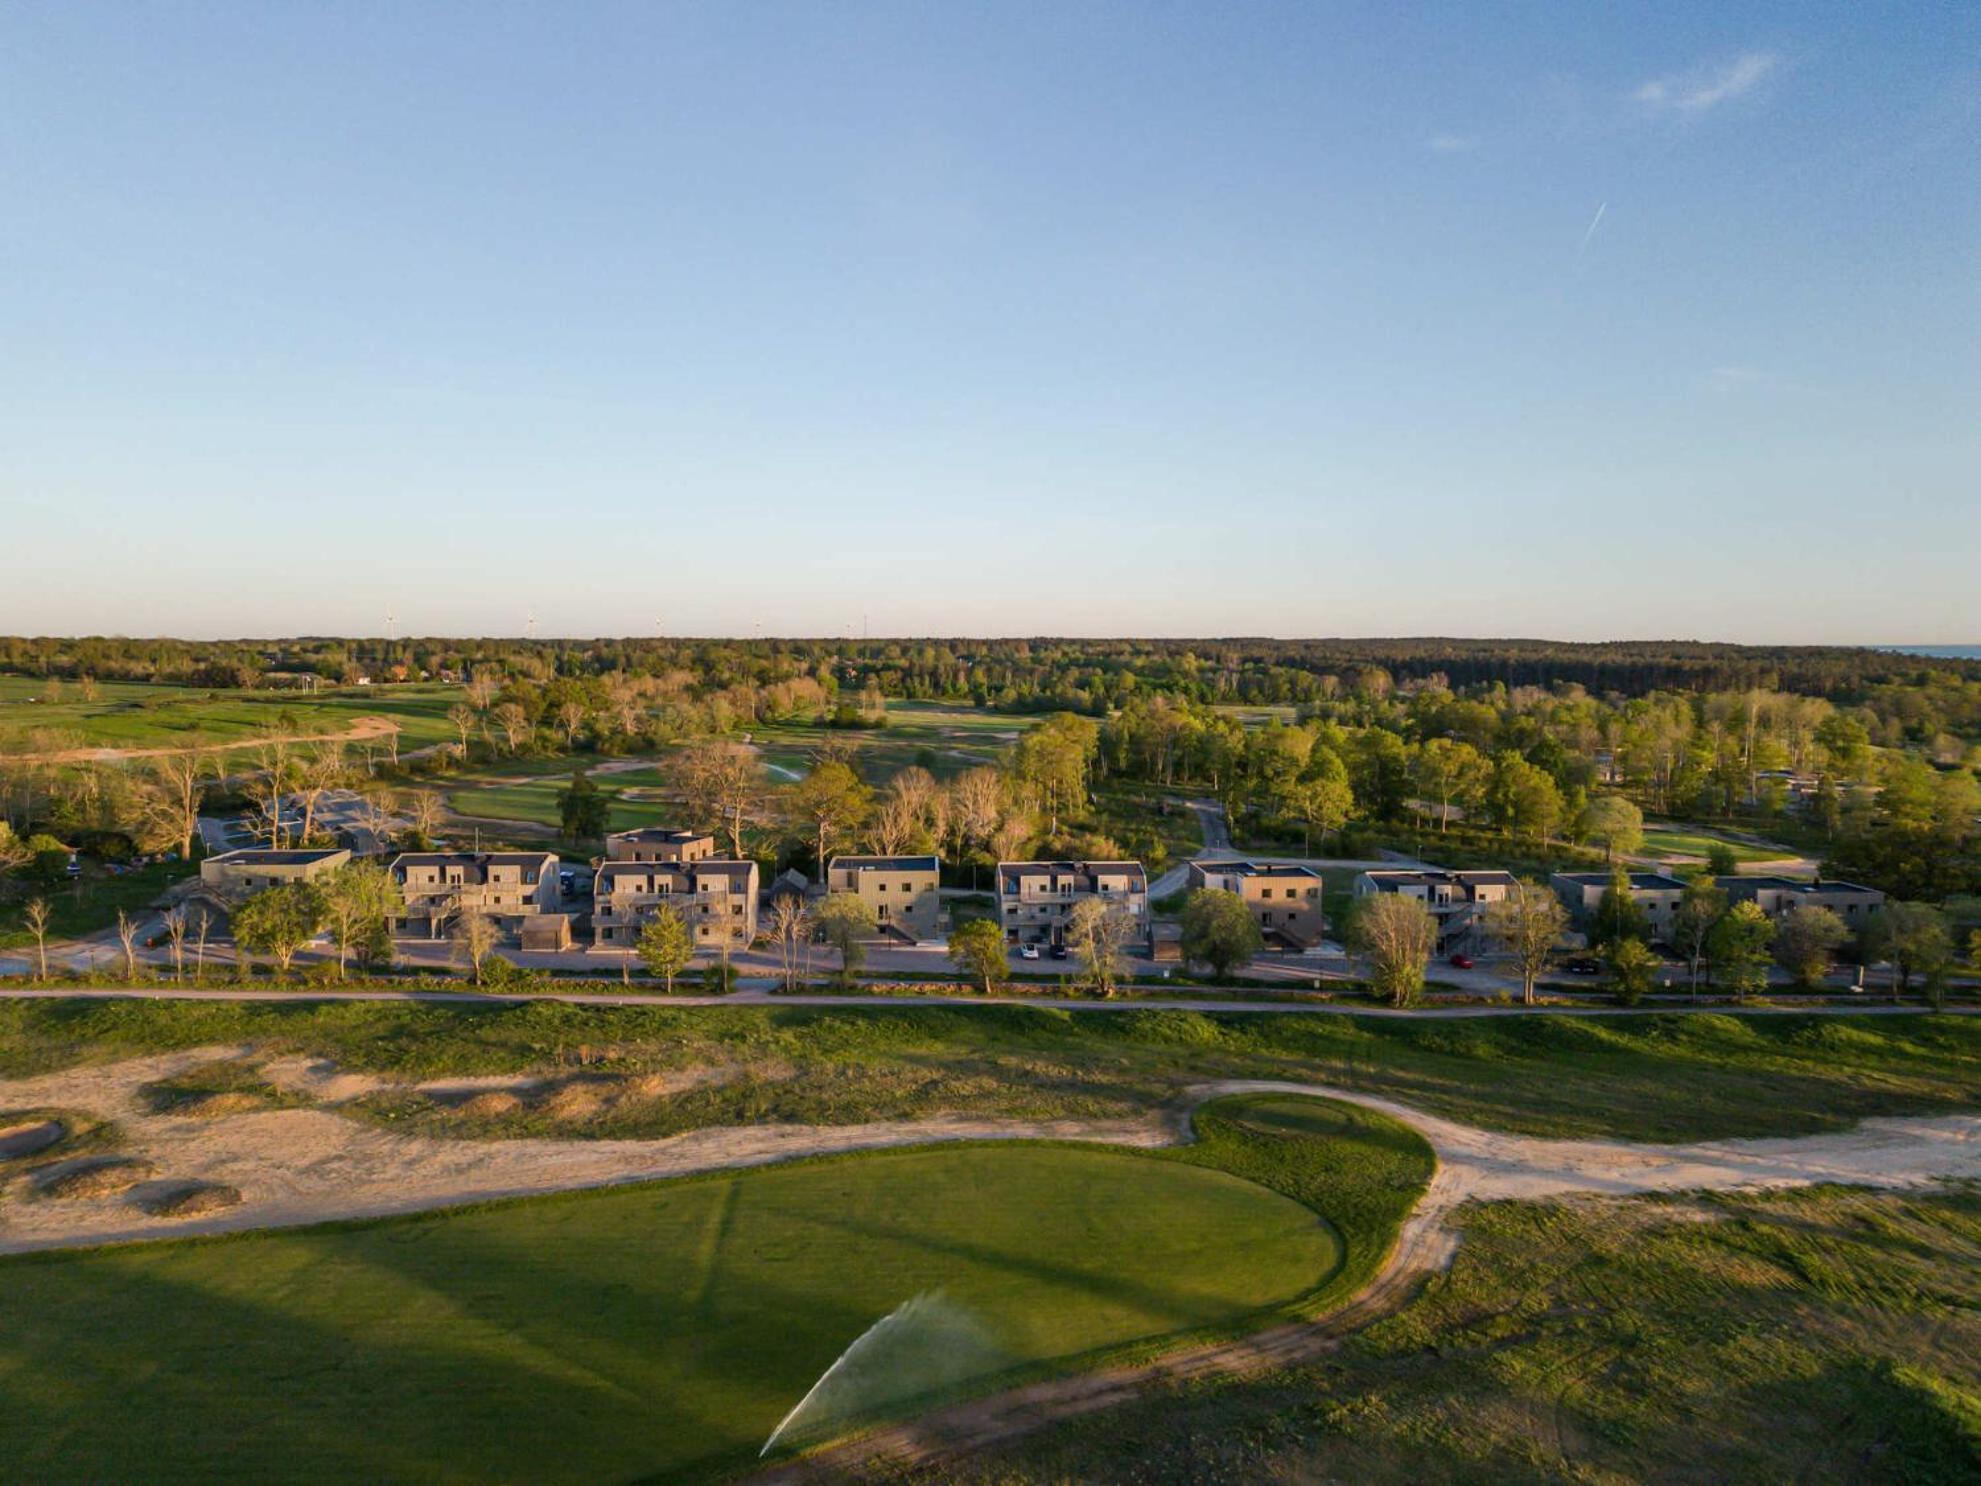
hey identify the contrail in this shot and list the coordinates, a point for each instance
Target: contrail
(1593, 223)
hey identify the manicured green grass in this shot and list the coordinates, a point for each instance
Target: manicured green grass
(527, 790)
(138, 715)
(1823, 1335)
(1677, 1076)
(1694, 841)
(660, 1332)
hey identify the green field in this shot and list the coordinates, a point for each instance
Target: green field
(636, 797)
(141, 715)
(88, 903)
(1694, 841)
(1827, 1335)
(944, 740)
(661, 1331)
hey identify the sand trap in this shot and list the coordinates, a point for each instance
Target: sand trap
(293, 1166)
(27, 1139)
(91, 1176)
(188, 1199)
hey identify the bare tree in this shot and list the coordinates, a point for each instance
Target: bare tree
(475, 935)
(202, 925)
(175, 933)
(1097, 932)
(426, 810)
(36, 918)
(270, 785)
(791, 932)
(1394, 936)
(127, 937)
(1528, 923)
(319, 771)
(722, 783)
(894, 826)
(179, 781)
(515, 725)
(481, 688)
(976, 807)
(463, 719)
(572, 714)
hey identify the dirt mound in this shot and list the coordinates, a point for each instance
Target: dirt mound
(191, 1200)
(99, 1177)
(490, 1106)
(29, 1138)
(217, 1106)
(580, 1099)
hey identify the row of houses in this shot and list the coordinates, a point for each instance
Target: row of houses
(1457, 900)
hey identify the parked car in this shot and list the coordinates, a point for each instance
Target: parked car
(1585, 966)
(1028, 951)
(1462, 962)
(1058, 951)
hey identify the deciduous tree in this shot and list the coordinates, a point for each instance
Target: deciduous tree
(665, 947)
(1219, 931)
(1528, 923)
(279, 921)
(977, 949)
(1097, 932)
(1805, 940)
(847, 921)
(1394, 936)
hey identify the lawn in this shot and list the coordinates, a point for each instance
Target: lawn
(945, 740)
(87, 903)
(1681, 1076)
(1822, 1335)
(1695, 841)
(661, 1331)
(142, 715)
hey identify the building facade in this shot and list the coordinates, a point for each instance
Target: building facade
(1286, 901)
(1581, 894)
(717, 899)
(1780, 896)
(236, 874)
(1036, 899)
(905, 892)
(439, 887)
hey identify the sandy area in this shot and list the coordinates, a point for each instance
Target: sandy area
(357, 732)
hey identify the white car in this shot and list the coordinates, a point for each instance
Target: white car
(1028, 951)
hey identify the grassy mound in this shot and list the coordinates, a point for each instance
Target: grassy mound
(212, 1091)
(103, 1176)
(193, 1200)
(661, 1331)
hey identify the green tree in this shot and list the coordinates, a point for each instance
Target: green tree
(49, 858)
(1522, 799)
(664, 945)
(1692, 925)
(1613, 823)
(1219, 931)
(1919, 940)
(977, 949)
(1805, 940)
(1738, 947)
(359, 899)
(846, 922)
(1053, 760)
(1394, 935)
(583, 809)
(1631, 966)
(1618, 913)
(1528, 923)
(1452, 774)
(826, 805)
(1322, 799)
(279, 921)
(1721, 860)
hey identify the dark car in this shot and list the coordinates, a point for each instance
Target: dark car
(1058, 951)
(1585, 966)
(1462, 962)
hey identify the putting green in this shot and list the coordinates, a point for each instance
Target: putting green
(658, 1331)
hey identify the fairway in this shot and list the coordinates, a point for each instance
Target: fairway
(658, 1331)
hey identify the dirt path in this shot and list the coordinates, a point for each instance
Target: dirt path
(357, 732)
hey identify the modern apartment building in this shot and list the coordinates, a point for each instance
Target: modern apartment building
(1658, 895)
(716, 898)
(440, 886)
(659, 844)
(906, 892)
(1035, 899)
(236, 874)
(1780, 896)
(1285, 900)
(1456, 900)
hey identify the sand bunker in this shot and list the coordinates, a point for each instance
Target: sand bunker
(29, 1138)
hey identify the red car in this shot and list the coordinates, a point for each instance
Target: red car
(1462, 962)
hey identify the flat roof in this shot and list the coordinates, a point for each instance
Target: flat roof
(1257, 869)
(267, 857)
(660, 833)
(925, 863)
(1637, 879)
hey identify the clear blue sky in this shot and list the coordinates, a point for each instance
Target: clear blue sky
(1582, 321)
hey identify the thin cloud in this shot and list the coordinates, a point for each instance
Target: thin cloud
(1594, 222)
(1725, 379)
(1451, 144)
(1708, 86)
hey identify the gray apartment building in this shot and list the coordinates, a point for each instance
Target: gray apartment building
(716, 898)
(1035, 899)
(659, 844)
(440, 886)
(237, 874)
(906, 892)
(1779, 896)
(1658, 895)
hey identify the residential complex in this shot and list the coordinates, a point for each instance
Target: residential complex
(1658, 895)
(716, 898)
(1456, 899)
(235, 874)
(906, 892)
(1035, 899)
(1780, 896)
(659, 844)
(440, 886)
(1285, 900)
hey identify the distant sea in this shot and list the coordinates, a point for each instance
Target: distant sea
(1940, 652)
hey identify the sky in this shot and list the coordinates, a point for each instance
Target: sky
(1575, 321)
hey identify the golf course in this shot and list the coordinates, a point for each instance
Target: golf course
(661, 1331)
